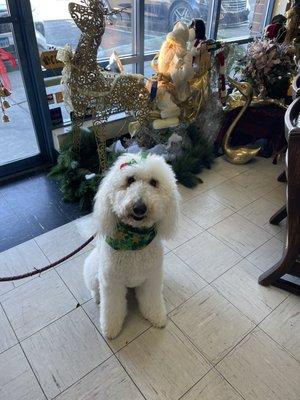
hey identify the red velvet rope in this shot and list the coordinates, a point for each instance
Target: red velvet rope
(40, 270)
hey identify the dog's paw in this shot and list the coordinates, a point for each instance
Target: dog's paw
(159, 321)
(110, 330)
(157, 315)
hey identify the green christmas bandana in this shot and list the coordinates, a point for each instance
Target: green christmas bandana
(130, 238)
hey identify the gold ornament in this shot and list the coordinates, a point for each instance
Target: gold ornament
(200, 87)
(3, 91)
(292, 24)
(89, 88)
(6, 104)
(239, 154)
(5, 118)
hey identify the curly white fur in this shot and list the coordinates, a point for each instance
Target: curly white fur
(110, 272)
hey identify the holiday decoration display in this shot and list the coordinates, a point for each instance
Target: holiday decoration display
(165, 108)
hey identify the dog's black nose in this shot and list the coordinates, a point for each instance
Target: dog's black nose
(139, 208)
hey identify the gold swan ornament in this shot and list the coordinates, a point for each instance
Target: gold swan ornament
(239, 154)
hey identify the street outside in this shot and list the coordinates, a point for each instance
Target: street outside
(60, 29)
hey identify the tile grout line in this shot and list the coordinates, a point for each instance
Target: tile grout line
(193, 344)
(20, 345)
(130, 377)
(202, 227)
(190, 267)
(234, 211)
(205, 190)
(230, 179)
(261, 245)
(221, 376)
(271, 237)
(230, 384)
(74, 383)
(256, 325)
(214, 288)
(221, 294)
(279, 344)
(196, 383)
(46, 326)
(251, 331)
(226, 354)
(39, 383)
(230, 206)
(12, 328)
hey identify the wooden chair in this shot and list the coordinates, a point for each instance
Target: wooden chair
(290, 261)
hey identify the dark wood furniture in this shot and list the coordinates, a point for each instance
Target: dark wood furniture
(290, 261)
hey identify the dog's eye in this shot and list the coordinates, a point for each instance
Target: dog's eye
(130, 180)
(153, 182)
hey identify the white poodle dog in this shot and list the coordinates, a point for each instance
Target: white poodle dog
(136, 207)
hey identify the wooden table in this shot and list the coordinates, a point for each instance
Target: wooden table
(290, 260)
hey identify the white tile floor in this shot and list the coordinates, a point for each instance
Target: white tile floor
(227, 338)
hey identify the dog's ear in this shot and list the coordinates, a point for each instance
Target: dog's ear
(168, 226)
(104, 219)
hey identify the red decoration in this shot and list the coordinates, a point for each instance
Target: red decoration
(6, 56)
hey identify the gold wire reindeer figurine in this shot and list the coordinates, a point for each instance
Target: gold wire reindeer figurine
(91, 90)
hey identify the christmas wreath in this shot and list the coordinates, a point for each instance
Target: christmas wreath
(77, 172)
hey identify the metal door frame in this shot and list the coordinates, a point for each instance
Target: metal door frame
(25, 41)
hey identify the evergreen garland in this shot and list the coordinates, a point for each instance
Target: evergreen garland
(73, 170)
(193, 160)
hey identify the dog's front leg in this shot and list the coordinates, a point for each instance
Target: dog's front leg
(113, 308)
(151, 301)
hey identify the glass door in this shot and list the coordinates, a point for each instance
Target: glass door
(25, 139)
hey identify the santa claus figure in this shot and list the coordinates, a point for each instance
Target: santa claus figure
(174, 70)
(175, 61)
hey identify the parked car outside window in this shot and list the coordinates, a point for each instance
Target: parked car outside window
(233, 12)
(6, 34)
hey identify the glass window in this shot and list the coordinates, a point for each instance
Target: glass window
(148, 70)
(236, 53)
(53, 21)
(237, 17)
(17, 138)
(161, 15)
(4, 12)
